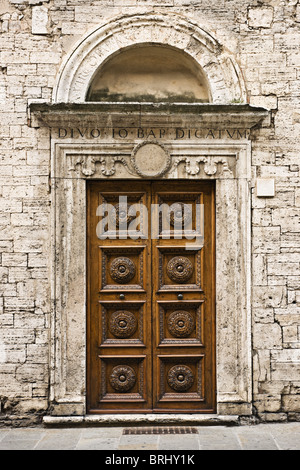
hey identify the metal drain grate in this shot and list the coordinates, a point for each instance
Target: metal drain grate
(161, 430)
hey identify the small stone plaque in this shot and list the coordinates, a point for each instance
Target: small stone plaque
(265, 187)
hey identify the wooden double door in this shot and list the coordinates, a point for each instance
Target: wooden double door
(151, 297)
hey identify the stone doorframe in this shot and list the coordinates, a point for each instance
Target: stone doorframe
(100, 141)
(211, 144)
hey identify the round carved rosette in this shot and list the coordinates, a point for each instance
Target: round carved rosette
(122, 378)
(122, 324)
(181, 323)
(179, 269)
(180, 378)
(122, 270)
(180, 214)
(120, 216)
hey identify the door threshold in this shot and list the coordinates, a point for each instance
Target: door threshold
(120, 420)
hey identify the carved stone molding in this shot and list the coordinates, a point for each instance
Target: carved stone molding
(105, 159)
(168, 29)
(210, 165)
(93, 165)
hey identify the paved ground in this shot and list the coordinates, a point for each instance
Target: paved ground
(257, 437)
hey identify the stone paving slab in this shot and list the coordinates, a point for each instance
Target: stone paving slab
(284, 436)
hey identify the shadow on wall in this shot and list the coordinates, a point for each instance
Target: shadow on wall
(151, 73)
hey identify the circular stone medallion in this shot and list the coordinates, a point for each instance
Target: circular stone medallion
(150, 160)
(122, 324)
(122, 378)
(122, 270)
(181, 323)
(180, 378)
(179, 269)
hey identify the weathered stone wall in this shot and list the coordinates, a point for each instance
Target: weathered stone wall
(35, 36)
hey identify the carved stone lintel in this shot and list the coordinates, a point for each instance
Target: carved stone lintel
(91, 165)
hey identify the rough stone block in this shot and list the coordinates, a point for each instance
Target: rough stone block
(268, 102)
(14, 259)
(286, 372)
(266, 239)
(269, 296)
(260, 17)
(291, 403)
(288, 219)
(267, 336)
(40, 20)
(263, 315)
(290, 334)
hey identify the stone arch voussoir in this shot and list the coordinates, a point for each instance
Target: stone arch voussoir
(79, 67)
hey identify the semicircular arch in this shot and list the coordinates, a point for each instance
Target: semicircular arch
(222, 73)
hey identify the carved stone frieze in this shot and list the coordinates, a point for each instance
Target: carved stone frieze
(210, 166)
(114, 165)
(91, 165)
(122, 378)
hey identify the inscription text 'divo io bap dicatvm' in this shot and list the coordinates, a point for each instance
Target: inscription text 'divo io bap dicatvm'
(152, 133)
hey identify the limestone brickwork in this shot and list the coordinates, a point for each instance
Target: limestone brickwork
(35, 38)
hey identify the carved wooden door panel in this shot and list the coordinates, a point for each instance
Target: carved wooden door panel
(119, 316)
(183, 298)
(150, 323)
